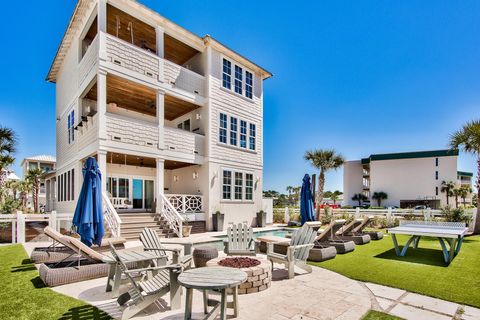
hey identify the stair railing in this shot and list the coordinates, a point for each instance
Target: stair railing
(171, 215)
(111, 216)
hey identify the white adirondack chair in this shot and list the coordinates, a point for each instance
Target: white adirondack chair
(240, 241)
(151, 242)
(297, 251)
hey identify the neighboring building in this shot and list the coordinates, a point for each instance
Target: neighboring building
(47, 164)
(164, 112)
(409, 178)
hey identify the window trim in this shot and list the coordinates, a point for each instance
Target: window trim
(238, 133)
(233, 185)
(233, 78)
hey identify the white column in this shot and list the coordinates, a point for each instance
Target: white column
(159, 185)
(160, 52)
(102, 165)
(102, 104)
(102, 16)
(161, 119)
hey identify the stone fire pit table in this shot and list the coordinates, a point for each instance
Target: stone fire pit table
(259, 276)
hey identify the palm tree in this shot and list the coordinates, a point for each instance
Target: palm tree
(456, 192)
(465, 190)
(359, 197)
(468, 139)
(323, 160)
(289, 190)
(24, 187)
(13, 186)
(447, 188)
(379, 196)
(296, 193)
(33, 175)
(8, 141)
(335, 195)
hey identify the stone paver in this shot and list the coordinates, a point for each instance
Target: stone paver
(384, 291)
(430, 303)
(470, 313)
(385, 304)
(412, 313)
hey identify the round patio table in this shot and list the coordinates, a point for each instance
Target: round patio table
(213, 278)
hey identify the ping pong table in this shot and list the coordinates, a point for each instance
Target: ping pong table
(450, 233)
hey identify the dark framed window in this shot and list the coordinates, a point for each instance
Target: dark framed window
(72, 183)
(233, 131)
(243, 134)
(253, 134)
(227, 185)
(248, 84)
(248, 186)
(238, 79)
(436, 162)
(238, 185)
(222, 133)
(436, 175)
(227, 74)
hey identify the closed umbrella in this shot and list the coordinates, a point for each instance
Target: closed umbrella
(88, 217)
(306, 201)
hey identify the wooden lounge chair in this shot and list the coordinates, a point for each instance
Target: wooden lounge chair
(144, 293)
(151, 242)
(57, 253)
(374, 235)
(240, 241)
(345, 233)
(326, 238)
(297, 251)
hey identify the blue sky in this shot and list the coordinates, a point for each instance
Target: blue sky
(359, 76)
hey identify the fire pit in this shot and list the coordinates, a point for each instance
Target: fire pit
(259, 272)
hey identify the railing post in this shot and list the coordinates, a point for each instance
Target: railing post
(184, 211)
(287, 215)
(52, 221)
(389, 215)
(14, 230)
(20, 227)
(357, 212)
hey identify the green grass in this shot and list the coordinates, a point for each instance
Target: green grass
(422, 270)
(24, 296)
(377, 315)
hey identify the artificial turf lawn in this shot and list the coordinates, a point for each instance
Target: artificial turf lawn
(24, 296)
(377, 315)
(422, 270)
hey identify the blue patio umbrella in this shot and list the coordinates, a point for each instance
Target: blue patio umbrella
(306, 201)
(88, 217)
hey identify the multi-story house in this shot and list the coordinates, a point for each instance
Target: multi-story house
(47, 163)
(171, 117)
(408, 178)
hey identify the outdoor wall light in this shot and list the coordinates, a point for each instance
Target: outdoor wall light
(195, 175)
(198, 116)
(176, 178)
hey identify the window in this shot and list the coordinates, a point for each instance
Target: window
(71, 126)
(123, 188)
(436, 175)
(248, 84)
(64, 186)
(68, 189)
(185, 125)
(248, 186)
(238, 79)
(227, 74)
(252, 136)
(436, 191)
(243, 134)
(222, 134)
(73, 184)
(436, 162)
(238, 185)
(227, 185)
(233, 131)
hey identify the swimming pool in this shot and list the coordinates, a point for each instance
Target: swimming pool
(219, 244)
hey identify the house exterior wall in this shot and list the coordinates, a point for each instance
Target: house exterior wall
(352, 181)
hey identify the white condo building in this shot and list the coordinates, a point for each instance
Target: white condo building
(171, 117)
(409, 178)
(47, 163)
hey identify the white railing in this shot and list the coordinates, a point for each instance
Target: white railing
(171, 215)
(186, 203)
(88, 61)
(183, 141)
(183, 78)
(111, 216)
(88, 132)
(132, 131)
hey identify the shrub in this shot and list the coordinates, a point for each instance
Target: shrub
(455, 215)
(9, 205)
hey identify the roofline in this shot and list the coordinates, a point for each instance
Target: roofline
(410, 155)
(464, 173)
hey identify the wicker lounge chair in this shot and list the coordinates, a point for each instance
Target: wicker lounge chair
(297, 251)
(359, 230)
(58, 253)
(240, 241)
(151, 242)
(144, 293)
(325, 238)
(345, 233)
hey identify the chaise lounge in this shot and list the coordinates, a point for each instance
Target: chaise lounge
(345, 233)
(326, 238)
(374, 235)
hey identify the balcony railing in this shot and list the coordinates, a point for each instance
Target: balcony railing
(186, 203)
(131, 131)
(88, 61)
(182, 78)
(185, 142)
(88, 132)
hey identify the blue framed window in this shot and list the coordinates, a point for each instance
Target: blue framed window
(243, 134)
(253, 135)
(248, 186)
(248, 84)
(233, 131)
(227, 185)
(238, 79)
(222, 133)
(227, 74)
(71, 126)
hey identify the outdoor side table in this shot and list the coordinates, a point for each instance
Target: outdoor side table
(202, 254)
(214, 278)
(127, 256)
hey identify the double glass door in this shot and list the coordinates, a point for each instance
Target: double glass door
(139, 192)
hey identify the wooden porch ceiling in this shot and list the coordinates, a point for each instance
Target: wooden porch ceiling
(136, 97)
(131, 160)
(144, 36)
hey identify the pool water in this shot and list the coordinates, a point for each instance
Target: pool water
(219, 244)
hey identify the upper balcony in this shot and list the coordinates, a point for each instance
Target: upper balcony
(130, 47)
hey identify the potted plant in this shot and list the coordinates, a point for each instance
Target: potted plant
(218, 219)
(186, 228)
(261, 219)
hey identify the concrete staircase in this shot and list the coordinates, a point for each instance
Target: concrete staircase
(134, 222)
